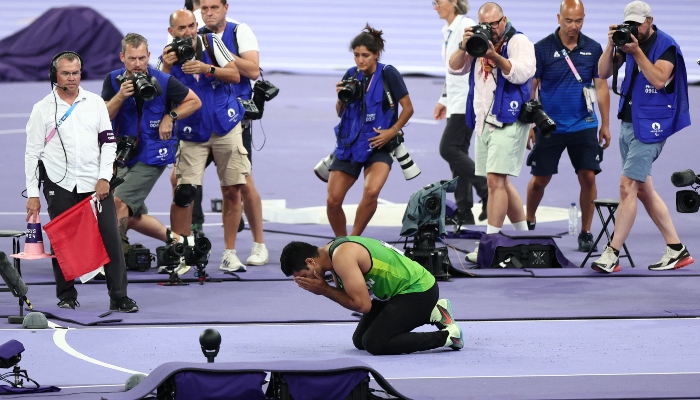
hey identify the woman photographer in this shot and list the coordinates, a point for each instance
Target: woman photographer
(367, 130)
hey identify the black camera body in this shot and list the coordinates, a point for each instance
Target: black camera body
(263, 91)
(532, 112)
(183, 49)
(478, 44)
(146, 86)
(687, 201)
(126, 148)
(623, 34)
(351, 90)
(138, 258)
(198, 253)
(169, 255)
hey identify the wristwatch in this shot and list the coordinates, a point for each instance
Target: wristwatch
(211, 70)
(173, 115)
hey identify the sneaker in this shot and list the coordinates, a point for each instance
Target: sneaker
(473, 256)
(531, 225)
(608, 261)
(585, 242)
(455, 338)
(464, 217)
(124, 304)
(483, 216)
(673, 259)
(441, 316)
(163, 269)
(182, 268)
(231, 263)
(68, 303)
(258, 256)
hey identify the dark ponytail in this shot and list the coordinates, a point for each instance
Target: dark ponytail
(370, 38)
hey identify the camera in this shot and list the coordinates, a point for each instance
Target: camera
(532, 112)
(623, 34)
(322, 168)
(478, 44)
(351, 90)
(169, 255)
(198, 252)
(146, 87)
(183, 49)
(687, 201)
(408, 167)
(263, 91)
(138, 258)
(126, 147)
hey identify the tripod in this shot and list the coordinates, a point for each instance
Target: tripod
(424, 252)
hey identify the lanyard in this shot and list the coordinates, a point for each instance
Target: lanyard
(571, 65)
(60, 122)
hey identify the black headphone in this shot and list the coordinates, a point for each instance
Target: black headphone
(52, 69)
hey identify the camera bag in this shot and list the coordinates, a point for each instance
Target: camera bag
(520, 249)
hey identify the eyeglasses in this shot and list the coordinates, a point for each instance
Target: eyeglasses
(66, 74)
(495, 24)
(437, 3)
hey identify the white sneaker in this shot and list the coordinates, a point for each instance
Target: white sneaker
(608, 262)
(231, 263)
(259, 255)
(473, 256)
(182, 268)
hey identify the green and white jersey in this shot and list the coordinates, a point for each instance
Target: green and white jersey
(391, 273)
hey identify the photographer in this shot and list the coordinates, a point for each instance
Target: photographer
(499, 85)
(150, 122)
(454, 145)
(567, 65)
(214, 128)
(368, 123)
(241, 42)
(404, 294)
(71, 148)
(653, 106)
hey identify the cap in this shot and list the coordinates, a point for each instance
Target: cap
(637, 11)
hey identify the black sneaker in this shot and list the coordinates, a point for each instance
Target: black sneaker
(531, 225)
(68, 303)
(464, 218)
(124, 304)
(585, 242)
(483, 215)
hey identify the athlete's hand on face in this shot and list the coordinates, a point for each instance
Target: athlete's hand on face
(315, 285)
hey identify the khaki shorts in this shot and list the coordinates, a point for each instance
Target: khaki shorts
(230, 157)
(501, 151)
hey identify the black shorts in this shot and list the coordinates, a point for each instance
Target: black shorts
(583, 148)
(355, 168)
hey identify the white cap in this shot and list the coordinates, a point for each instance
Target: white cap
(637, 11)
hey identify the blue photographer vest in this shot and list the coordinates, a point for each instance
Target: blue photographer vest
(151, 149)
(243, 88)
(656, 115)
(508, 99)
(360, 117)
(221, 111)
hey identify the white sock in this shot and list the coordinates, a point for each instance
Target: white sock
(520, 226)
(492, 229)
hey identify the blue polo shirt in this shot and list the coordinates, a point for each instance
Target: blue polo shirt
(561, 94)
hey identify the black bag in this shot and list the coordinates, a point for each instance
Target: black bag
(525, 256)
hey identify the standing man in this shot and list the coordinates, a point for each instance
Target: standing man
(71, 147)
(151, 123)
(653, 106)
(454, 145)
(499, 84)
(214, 128)
(568, 84)
(241, 42)
(394, 293)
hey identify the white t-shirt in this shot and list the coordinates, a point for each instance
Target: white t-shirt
(244, 35)
(456, 86)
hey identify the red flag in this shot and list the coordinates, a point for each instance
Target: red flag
(76, 240)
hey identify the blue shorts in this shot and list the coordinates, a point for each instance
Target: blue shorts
(584, 152)
(637, 157)
(355, 168)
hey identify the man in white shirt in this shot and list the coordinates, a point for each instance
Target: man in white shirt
(454, 145)
(71, 147)
(501, 82)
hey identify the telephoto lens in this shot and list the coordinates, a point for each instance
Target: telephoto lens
(408, 167)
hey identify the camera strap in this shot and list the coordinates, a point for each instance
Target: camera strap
(60, 122)
(571, 65)
(208, 48)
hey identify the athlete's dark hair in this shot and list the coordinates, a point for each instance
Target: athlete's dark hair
(370, 38)
(294, 255)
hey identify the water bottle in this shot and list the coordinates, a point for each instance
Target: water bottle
(573, 219)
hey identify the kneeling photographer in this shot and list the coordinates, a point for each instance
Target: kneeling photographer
(369, 126)
(139, 101)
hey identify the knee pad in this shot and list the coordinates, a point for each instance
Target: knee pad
(184, 194)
